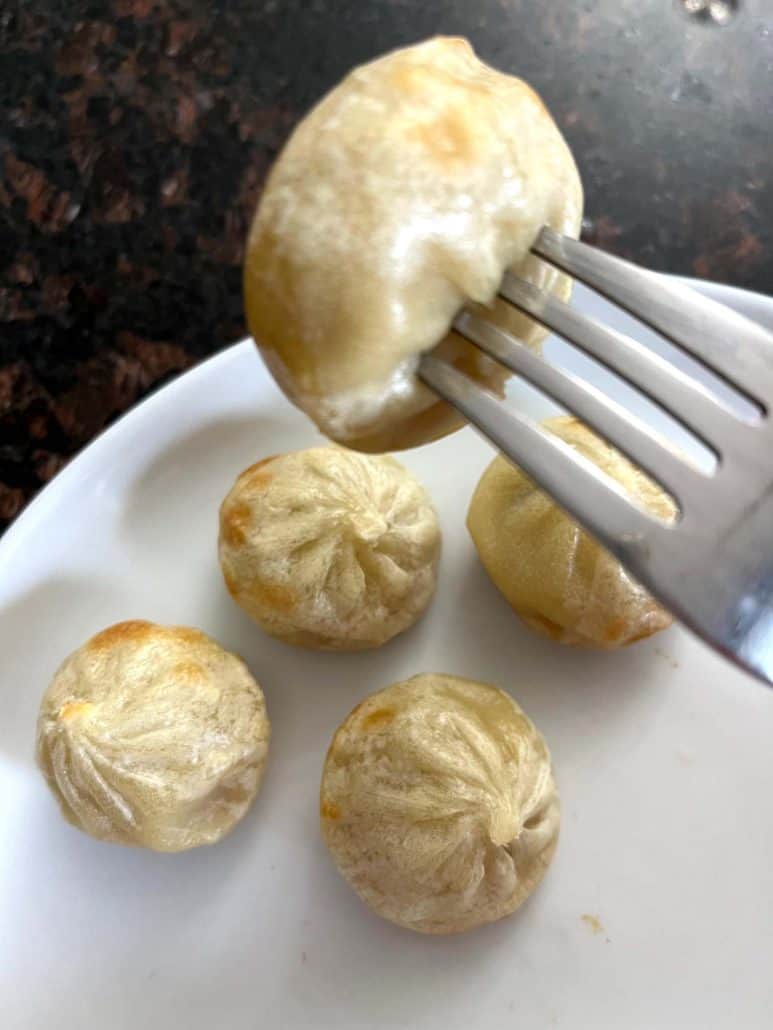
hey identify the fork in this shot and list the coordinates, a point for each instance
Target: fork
(712, 567)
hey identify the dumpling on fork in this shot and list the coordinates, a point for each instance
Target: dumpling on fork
(403, 196)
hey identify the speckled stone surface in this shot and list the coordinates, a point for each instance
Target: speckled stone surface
(135, 135)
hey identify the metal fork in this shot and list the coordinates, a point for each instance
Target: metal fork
(713, 566)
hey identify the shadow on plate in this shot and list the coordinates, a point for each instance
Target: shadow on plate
(342, 942)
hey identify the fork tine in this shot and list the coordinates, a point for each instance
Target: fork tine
(735, 347)
(628, 434)
(652, 375)
(576, 483)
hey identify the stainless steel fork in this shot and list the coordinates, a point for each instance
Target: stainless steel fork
(713, 566)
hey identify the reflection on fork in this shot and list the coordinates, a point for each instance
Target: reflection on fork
(713, 566)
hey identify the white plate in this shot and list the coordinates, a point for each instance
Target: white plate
(657, 912)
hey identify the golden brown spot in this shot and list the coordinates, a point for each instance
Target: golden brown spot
(187, 635)
(467, 362)
(233, 795)
(275, 596)
(448, 138)
(132, 632)
(188, 671)
(329, 811)
(71, 709)
(642, 635)
(378, 718)
(614, 630)
(254, 476)
(260, 479)
(409, 79)
(354, 711)
(233, 523)
(231, 585)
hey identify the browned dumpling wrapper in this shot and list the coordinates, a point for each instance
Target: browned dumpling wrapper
(438, 803)
(557, 578)
(153, 736)
(330, 549)
(404, 195)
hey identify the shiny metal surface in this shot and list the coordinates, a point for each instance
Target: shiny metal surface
(713, 567)
(730, 344)
(668, 386)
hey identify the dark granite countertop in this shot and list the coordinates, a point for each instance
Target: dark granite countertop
(134, 137)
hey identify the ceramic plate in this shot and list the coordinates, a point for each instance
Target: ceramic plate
(656, 913)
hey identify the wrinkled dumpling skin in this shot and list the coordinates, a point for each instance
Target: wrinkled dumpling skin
(556, 577)
(153, 736)
(438, 803)
(330, 549)
(404, 195)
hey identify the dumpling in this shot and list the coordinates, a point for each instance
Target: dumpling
(403, 196)
(438, 803)
(330, 549)
(559, 580)
(154, 736)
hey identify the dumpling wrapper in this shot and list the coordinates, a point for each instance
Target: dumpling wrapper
(438, 803)
(404, 195)
(153, 736)
(330, 549)
(557, 577)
